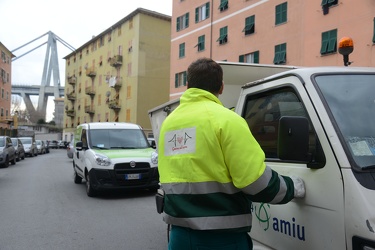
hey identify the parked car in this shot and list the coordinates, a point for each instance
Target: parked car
(61, 144)
(7, 152)
(70, 149)
(53, 144)
(40, 146)
(20, 150)
(29, 145)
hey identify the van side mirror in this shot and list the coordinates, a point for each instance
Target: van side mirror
(293, 138)
(79, 146)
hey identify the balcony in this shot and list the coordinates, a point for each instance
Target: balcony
(114, 104)
(116, 83)
(70, 112)
(89, 109)
(90, 91)
(71, 96)
(72, 80)
(116, 61)
(91, 72)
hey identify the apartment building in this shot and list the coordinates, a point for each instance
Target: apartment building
(119, 74)
(6, 88)
(294, 32)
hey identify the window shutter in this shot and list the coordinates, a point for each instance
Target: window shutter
(196, 15)
(241, 58)
(178, 24)
(176, 80)
(373, 38)
(325, 39)
(332, 41)
(187, 20)
(184, 75)
(208, 10)
(256, 57)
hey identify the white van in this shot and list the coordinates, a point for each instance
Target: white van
(114, 155)
(319, 124)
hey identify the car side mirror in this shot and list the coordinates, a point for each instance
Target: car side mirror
(79, 146)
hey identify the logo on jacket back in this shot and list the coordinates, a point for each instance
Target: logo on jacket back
(180, 141)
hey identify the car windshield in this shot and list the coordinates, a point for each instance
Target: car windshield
(117, 138)
(26, 141)
(14, 141)
(2, 142)
(351, 101)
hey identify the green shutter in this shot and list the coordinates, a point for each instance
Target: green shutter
(332, 41)
(177, 24)
(184, 76)
(256, 57)
(325, 41)
(208, 9)
(241, 58)
(187, 20)
(176, 80)
(196, 15)
(324, 2)
(373, 38)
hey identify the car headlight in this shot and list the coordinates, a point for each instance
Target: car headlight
(102, 160)
(154, 158)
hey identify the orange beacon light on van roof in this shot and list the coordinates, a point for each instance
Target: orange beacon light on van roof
(346, 46)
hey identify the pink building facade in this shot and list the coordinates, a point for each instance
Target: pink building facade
(295, 32)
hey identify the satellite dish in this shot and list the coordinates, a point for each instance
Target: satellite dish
(108, 93)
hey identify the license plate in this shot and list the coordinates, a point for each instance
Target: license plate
(132, 176)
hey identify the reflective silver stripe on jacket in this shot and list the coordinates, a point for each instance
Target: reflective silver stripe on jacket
(199, 188)
(211, 223)
(260, 184)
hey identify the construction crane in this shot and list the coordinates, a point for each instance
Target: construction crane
(51, 65)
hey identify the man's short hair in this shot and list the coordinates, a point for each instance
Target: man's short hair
(205, 74)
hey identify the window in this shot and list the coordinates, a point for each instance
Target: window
(280, 54)
(180, 79)
(182, 22)
(329, 42)
(281, 13)
(373, 36)
(263, 112)
(181, 50)
(223, 38)
(202, 12)
(250, 58)
(223, 5)
(201, 43)
(249, 25)
(127, 115)
(326, 4)
(128, 92)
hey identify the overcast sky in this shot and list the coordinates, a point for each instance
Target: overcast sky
(74, 21)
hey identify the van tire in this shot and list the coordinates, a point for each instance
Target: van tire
(89, 190)
(77, 178)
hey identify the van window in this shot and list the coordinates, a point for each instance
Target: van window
(117, 138)
(262, 113)
(84, 138)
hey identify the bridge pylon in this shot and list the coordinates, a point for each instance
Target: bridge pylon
(51, 68)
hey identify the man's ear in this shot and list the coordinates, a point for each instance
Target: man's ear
(221, 88)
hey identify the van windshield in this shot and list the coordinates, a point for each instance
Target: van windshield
(25, 140)
(117, 138)
(351, 101)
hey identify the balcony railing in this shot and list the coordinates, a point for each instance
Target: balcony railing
(71, 96)
(91, 72)
(72, 80)
(114, 104)
(89, 109)
(116, 61)
(117, 83)
(90, 91)
(70, 113)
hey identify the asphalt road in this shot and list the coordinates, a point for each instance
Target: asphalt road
(42, 208)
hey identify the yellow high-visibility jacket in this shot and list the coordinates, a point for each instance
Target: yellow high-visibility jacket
(211, 167)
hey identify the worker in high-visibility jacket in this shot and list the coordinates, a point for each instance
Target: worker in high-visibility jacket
(211, 168)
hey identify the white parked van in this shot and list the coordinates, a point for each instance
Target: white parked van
(113, 155)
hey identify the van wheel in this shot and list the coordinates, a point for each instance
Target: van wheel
(89, 190)
(77, 178)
